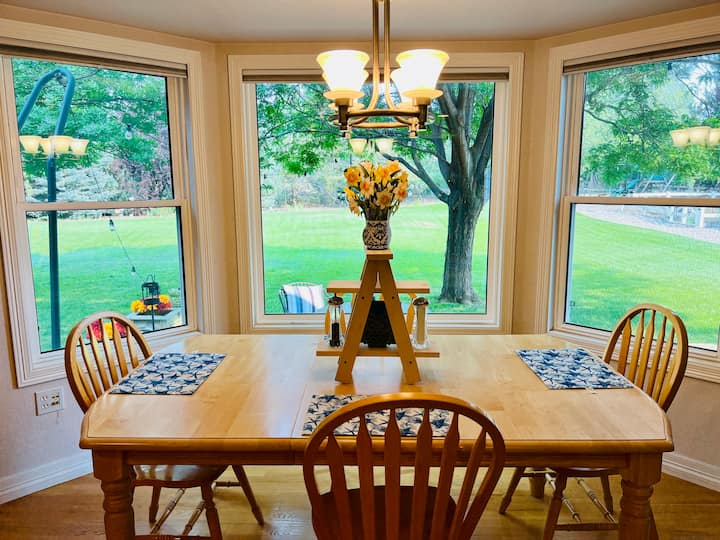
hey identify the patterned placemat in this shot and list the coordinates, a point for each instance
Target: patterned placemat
(571, 368)
(170, 373)
(409, 420)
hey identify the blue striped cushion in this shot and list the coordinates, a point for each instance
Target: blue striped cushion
(304, 298)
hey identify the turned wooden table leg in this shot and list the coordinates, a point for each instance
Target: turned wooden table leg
(114, 475)
(637, 484)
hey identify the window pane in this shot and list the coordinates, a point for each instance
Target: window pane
(103, 259)
(309, 234)
(123, 117)
(625, 255)
(630, 116)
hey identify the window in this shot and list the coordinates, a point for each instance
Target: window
(305, 217)
(640, 211)
(97, 200)
(299, 227)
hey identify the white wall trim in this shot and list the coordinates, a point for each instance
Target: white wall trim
(50, 474)
(692, 470)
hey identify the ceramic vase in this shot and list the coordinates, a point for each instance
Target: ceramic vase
(376, 234)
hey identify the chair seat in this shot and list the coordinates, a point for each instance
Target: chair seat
(586, 472)
(176, 476)
(328, 502)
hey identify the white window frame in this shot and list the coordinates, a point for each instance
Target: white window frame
(562, 152)
(185, 101)
(505, 160)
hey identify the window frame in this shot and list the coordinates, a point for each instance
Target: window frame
(246, 173)
(184, 103)
(562, 154)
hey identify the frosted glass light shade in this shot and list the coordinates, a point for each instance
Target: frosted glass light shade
(358, 145)
(402, 83)
(680, 137)
(699, 134)
(78, 146)
(61, 143)
(30, 143)
(421, 68)
(344, 69)
(384, 146)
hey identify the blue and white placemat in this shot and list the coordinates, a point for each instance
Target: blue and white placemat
(169, 373)
(571, 368)
(409, 420)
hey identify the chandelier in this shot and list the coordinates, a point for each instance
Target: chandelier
(53, 146)
(415, 81)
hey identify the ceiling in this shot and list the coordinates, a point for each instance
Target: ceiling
(327, 20)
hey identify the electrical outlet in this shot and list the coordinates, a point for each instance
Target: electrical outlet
(50, 400)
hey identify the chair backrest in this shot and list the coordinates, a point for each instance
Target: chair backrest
(302, 297)
(99, 351)
(650, 345)
(450, 519)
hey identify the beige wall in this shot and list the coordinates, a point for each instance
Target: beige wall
(28, 443)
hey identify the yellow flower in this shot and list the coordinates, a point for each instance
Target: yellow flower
(384, 198)
(138, 306)
(164, 298)
(367, 187)
(400, 191)
(352, 175)
(354, 208)
(393, 166)
(350, 195)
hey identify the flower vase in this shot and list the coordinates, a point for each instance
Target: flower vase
(376, 234)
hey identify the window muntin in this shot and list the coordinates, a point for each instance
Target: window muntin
(309, 235)
(641, 214)
(114, 208)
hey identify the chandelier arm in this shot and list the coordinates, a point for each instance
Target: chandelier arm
(376, 54)
(386, 58)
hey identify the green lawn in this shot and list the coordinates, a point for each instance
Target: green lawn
(614, 266)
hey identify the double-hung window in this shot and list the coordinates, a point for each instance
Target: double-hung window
(450, 231)
(640, 205)
(95, 199)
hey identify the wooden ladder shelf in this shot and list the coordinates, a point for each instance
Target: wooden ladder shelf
(377, 276)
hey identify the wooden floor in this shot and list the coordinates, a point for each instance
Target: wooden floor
(74, 510)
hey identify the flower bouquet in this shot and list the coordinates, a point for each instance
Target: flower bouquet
(163, 307)
(375, 191)
(100, 328)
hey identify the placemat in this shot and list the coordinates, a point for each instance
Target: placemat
(562, 369)
(170, 373)
(409, 420)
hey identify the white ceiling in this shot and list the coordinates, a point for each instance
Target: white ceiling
(326, 20)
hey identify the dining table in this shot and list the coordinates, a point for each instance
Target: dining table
(252, 408)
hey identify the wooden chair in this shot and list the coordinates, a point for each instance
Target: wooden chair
(425, 510)
(650, 346)
(99, 351)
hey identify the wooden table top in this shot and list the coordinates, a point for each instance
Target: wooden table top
(256, 399)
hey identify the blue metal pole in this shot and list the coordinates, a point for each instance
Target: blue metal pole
(50, 173)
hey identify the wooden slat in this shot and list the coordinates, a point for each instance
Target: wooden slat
(447, 468)
(366, 478)
(392, 478)
(348, 286)
(423, 455)
(339, 487)
(645, 352)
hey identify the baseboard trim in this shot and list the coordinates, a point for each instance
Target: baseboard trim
(56, 472)
(692, 470)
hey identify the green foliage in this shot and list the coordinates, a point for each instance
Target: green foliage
(629, 112)
(123, 114)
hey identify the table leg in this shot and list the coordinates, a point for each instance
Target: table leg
(537, 484)
(115, 479)
(638, 479)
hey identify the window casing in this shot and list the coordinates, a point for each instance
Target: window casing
(643, 224)
(504, 181)
(34, 362)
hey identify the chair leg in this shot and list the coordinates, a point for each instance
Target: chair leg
(211, 513)
(154, 503)
(512, 486)
(555, 505)
(607, 494)
(245, 484)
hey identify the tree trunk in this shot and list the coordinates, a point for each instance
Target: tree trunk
(457, 275)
